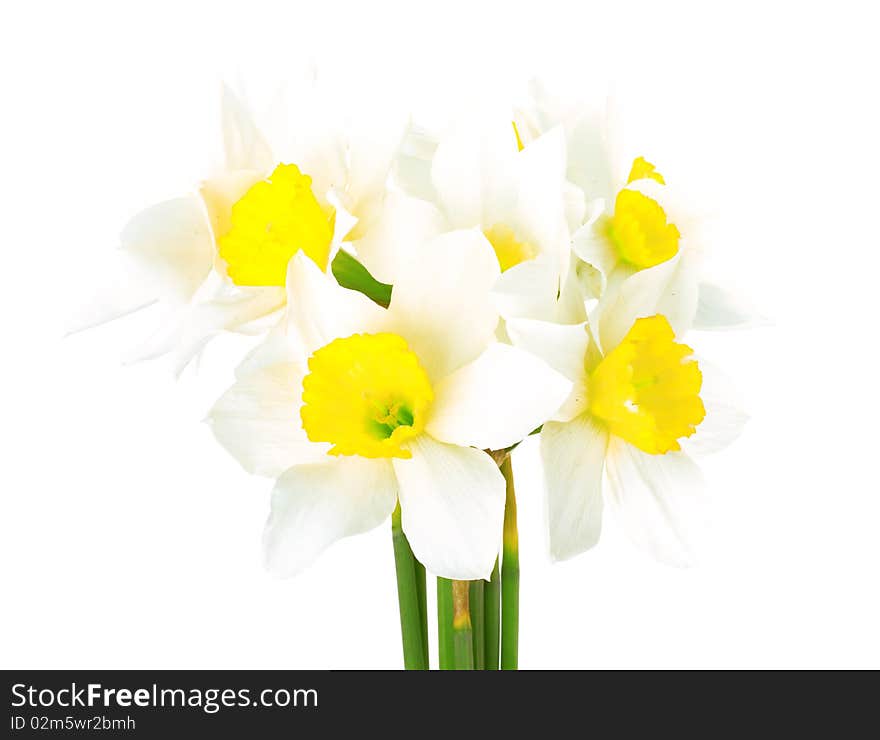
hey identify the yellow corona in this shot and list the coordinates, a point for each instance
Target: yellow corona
(639, 229)
(647, 389)
(367, 395)
(509, 251)
(275, 219)
(642, 169)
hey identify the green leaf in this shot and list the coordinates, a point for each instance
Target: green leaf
(351, 274)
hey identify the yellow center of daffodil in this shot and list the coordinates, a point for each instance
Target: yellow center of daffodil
(366, 394)
(272, 221)
(642, 169)
(638, 229)
(508, 249)
(647, 389)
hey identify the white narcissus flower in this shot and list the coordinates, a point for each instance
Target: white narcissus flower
(217, 259)
(634, 223)
(478, 176)
(354, 407)
(640, 407)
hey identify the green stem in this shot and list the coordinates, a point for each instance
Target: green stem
(462, 630)
(412, 629)
(476, 600)
(509, 577)
(444, 624)
(422, 586)
(492, 618)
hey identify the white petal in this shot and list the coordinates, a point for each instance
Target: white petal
(540, 211)
(592, 246)
(718, 308)
(659, 500)
(315, 139)
(344, 222)
(456, 173)
(678, 303)
(669, 288)
(403, 224)
(725, 418)
(575, 205)
(472, 167)
(222, 191)
(573, 456)
(173, 240)
(654, 190)
(564, 348)
(679, 206)
(372, 145)
(322, 157)
(413, 165)
(122, 289)
(166, 252)
(257, 421)
(441, 301)
(195, 324)
(589, 158)
(529, 290)
(452, 506)
(496, 400)
(315, 505)
(275, 349)
(582, 287)
(319, 310)
(244, 144)
(546, 107)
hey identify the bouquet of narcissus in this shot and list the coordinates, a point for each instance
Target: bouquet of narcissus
(426, 301)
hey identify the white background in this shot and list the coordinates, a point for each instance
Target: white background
(128, 538)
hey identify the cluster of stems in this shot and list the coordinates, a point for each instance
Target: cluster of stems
(477, 621)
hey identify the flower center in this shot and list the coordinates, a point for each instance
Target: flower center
(508, 250)
(647, 390)
(271, 222)
(638, 229)
(366, 394)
